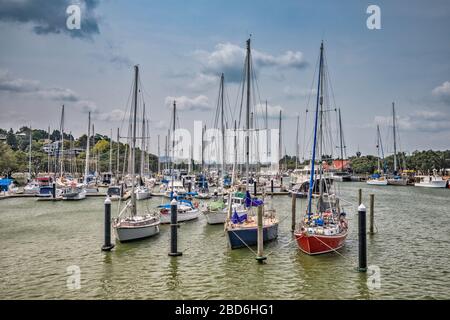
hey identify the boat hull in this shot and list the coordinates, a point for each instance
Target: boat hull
(75, 196)
(318, 244)
(185, 216)
(434, 184)
(298, 194)
(377, 182)
(124, 234)
(143, 195)
(397, 182)
(215, 217)
(242, 237)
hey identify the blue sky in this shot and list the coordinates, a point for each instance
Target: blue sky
(181, 47)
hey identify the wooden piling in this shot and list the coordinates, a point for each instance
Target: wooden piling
(254, 188)
(359, 197)
(371, 214)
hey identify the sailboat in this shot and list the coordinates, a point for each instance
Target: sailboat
(32, 186)
(396, 179)
(186, 210)
(324, 226)
(215, 212)
(88, 179)
(129, 225)
(70, 188)
(341, 175)
(378, 178)
(241, 227)
(142, 192)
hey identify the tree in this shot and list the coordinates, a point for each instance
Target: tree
(8, 162)
(11, 139)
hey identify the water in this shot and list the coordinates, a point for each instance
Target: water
(41, 239)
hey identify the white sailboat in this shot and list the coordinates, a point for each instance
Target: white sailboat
(396, 180)
(130, 225)
(215, 211)
(70, 188)
(142, 191)
(378, 179)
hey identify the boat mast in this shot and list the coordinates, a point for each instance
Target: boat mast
(296, 143)
(29, 156)
(61, 170)
(378, 148)
(118, 160)
(247, 124)
(235, 153)
(313, 158)
(110, 152)
(280, 147)
(143, 142)
(341, 139)
(133, 142)
(88, 138)
(223, 127)
(173, 143)
(322, 75)
(48, 152)
(267, 133)
(159, 158)
(395, 138)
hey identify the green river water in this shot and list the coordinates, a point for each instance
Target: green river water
(40, 240)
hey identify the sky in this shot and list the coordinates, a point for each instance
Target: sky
(182, 47)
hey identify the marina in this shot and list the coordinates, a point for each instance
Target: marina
(231, 151)
(65, 234)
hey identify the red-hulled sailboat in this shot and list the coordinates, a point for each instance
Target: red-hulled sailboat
(324, 226)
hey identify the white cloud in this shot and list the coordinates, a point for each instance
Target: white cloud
(114, 115)
(87, 106)
(229, 59)
(420, 120)
(442, 92)
(273, 112)
(199, 103)
(292, 92)
(11, 84)
(61, 94)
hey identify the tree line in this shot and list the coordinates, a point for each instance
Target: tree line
(14, 152)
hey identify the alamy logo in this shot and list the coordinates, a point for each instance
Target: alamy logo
(74, 280)
(73, 21)
(374, 20)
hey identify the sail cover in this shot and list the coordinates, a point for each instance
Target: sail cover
(249, 202)
(236, 218)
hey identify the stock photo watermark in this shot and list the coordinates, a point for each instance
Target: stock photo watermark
(374, 278)
(263, 144)
(73, 281)
(374, 20)
(73, 21)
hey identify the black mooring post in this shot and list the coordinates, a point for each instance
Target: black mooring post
(54, 190)
(254, 188)
(173, 230)
(271, 186)
(362, 263)
(107, 246)
(189, 186)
